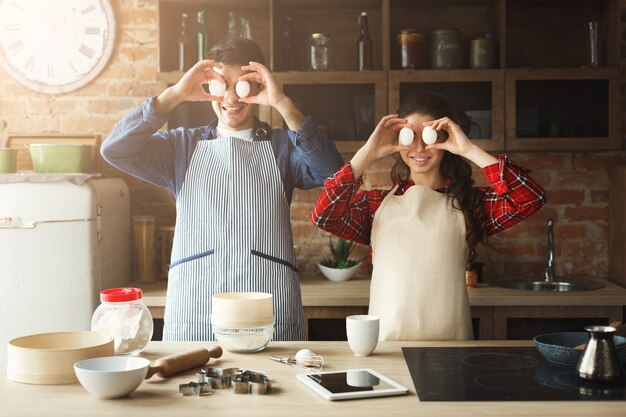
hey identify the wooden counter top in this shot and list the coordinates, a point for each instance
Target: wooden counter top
(159, 397)
(320, 292)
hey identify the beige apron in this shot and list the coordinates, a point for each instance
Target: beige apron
(419, 257)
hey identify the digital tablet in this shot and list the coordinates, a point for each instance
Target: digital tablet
(352, 383)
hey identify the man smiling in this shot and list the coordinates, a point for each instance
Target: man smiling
(233, 180)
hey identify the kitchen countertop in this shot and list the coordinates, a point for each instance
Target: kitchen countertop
(159, 397)
(320, 292)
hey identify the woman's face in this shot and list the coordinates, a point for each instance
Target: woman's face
(419, 160)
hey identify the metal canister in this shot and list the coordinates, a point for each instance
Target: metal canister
(319, 52)
(446, 49)
(410, 44)
(482, 53)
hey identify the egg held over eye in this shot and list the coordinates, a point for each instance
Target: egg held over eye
(429, 135)
(406, 136)
(217, 88)
(242, 88)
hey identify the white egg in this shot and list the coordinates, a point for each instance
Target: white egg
(303, 354)
(217, 88)
(406, 136)
(242, 88)
(429, 135)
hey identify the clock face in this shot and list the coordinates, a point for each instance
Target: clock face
(55, 46)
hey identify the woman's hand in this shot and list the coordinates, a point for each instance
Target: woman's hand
(458, 143)
(189, 87)
(270, 92)
(381, 143)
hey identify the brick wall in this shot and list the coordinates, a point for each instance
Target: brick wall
(577, 183)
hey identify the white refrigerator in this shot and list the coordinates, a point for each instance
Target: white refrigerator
(60, 244)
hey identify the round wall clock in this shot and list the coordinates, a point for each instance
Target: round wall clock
(55, 46)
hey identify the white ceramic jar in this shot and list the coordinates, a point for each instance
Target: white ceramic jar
(125, 317)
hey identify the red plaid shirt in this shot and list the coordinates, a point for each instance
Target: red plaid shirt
(345, 212)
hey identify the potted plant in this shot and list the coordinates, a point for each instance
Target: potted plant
(339, 267)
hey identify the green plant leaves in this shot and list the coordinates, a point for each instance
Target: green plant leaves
(340, 254)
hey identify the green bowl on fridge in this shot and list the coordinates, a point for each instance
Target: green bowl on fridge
(60, 158)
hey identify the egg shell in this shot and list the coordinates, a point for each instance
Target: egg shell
(242, 88)
(304, 354)
(217, 88)
(429, 135)
(406, 136)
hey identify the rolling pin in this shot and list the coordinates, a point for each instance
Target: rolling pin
(173, 364)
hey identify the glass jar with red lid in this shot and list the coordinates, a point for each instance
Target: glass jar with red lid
(125, 317)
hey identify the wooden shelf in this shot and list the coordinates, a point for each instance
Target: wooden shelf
(532, 37)
(331, 77)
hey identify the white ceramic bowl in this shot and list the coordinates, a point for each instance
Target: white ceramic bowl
(339, 274)
(111, 376)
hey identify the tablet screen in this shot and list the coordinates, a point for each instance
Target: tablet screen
(352, 383)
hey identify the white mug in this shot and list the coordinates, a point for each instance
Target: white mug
(362, 333)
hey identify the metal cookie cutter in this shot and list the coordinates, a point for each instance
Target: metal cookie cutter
(252, 382)
(195, 389)
(217, 378)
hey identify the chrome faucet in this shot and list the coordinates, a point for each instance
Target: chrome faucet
(549, 271)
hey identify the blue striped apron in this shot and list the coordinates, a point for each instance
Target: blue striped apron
(233, 233)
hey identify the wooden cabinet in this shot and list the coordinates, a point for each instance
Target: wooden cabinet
(540, 96)
(477, 96)
(563, 109)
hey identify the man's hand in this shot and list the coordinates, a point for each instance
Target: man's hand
(189, 87)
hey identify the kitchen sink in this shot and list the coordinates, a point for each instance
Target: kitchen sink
(549, 282)
(539, 284)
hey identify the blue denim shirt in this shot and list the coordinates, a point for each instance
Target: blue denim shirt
(305, 158)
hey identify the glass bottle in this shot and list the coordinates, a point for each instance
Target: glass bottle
(289, 53)
(319, 52)
(184, 46)
(246, 32)
(364, 44)
(232, 26)
(203, 35)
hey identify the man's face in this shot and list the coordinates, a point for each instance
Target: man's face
(231, 113)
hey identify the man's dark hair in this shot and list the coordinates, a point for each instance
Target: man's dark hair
(236, 51)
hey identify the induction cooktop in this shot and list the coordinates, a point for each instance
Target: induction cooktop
(499, 374)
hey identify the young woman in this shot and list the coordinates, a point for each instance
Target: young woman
(424, 231)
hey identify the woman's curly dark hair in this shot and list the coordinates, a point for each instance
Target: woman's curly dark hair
(466, 197)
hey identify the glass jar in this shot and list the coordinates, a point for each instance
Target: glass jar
(125, 317)
(445, 49)
(319, 52)
(410, 43)
(143, 238)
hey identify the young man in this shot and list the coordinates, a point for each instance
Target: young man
(233, 181)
